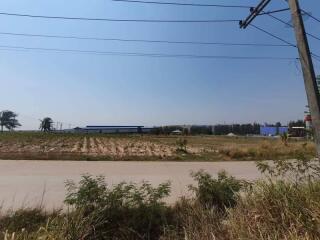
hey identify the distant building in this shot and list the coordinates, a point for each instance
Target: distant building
(282, 130)
(176, 132)
(268, 131)
(273, 130)
(112, 129)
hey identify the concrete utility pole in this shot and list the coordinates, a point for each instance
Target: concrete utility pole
(307, 69)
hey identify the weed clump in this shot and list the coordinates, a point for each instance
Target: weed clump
(181, 144)
(220, 193)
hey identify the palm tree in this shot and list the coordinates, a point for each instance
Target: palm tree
(8, 120)
(46, 124)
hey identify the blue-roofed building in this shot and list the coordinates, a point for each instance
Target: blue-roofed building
(273, 131)
(268, 131)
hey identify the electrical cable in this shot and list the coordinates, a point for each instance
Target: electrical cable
(117, 20)
(183, 4)
(141, 54)
(310, 15)
(144, 40)
(290, 25)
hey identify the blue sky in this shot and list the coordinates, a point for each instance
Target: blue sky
(85, 89)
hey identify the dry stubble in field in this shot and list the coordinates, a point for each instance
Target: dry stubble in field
(147, 147)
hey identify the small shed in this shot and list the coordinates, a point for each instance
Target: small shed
(176, 132)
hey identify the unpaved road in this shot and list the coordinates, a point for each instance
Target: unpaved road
(28, 183)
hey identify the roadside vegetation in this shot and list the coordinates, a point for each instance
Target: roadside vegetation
(64, 146)
(285, 205)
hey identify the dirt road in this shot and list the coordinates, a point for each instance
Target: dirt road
(28, 183)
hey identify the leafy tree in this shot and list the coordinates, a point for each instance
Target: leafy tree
(8, 120)
(46, 124)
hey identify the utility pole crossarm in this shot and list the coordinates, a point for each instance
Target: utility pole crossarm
(254, 13)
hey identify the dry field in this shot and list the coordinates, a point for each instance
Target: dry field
(147, 147)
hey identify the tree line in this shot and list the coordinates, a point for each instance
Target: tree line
(238, 129)
(222, 129)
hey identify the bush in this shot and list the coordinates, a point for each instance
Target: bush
(221, 192)
(125, 211)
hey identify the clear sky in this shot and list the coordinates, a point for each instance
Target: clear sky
(85, 89)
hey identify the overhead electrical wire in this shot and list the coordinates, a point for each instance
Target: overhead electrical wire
(316, 57)
(144, 40)
(290, 25)
(310, 15)
(184, 4)
(118, 20)
(141, 54)
(273, 35)
(274, 11)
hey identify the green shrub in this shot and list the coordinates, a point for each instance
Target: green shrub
(221, 192)
(124, 211)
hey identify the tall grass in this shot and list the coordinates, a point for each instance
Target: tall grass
(277, 210)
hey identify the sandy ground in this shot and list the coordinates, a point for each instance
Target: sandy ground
(28, 183)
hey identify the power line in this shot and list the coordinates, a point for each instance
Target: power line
(144, 40)
(310, 15)
(290, 25)
(274, 11)
(273, 35)
(183, 4)
(315, 56)
(117, 20)
(141, 54)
